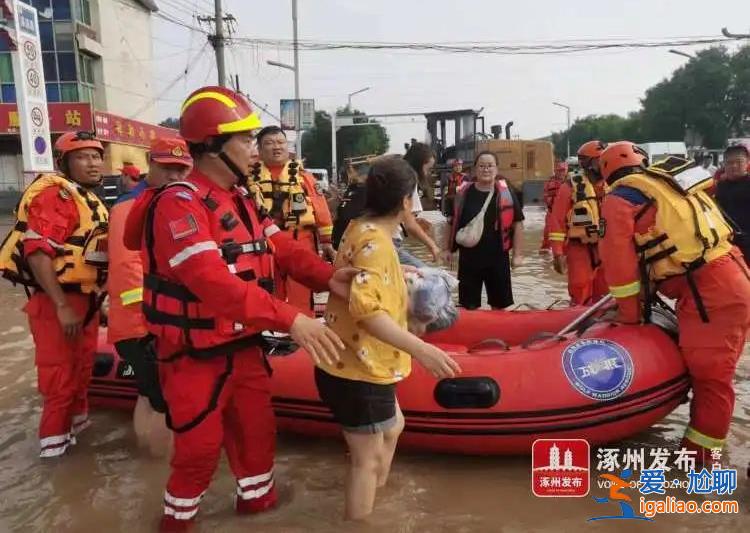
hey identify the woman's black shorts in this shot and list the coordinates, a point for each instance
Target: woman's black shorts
(359, 406)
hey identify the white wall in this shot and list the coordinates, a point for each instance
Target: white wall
(124, 31)
(11, 172)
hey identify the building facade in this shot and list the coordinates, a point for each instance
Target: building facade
(95, 52)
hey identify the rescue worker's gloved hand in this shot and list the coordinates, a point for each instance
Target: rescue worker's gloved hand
(341, 282)
(321, 343)
(560, 264)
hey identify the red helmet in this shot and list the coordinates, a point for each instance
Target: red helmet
(591, 150)
(622, 154)
(212, 110)
(76, 140)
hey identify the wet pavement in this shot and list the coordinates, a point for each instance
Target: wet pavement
(105, 484)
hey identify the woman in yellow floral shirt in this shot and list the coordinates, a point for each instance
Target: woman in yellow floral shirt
(360, 388)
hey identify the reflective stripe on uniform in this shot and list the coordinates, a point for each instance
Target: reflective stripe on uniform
(132, 296)
(190, 251)
(326, 230)
(558, 237)
(183, 502)
(625, 291)
(254, 494)
(271, 230)
(31, 235)
(695, 436)
(255, 480)
(54, 446)
(180, 515)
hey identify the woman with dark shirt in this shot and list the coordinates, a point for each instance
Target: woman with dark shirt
(488, 263)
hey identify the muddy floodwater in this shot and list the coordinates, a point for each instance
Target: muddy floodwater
(105, 485)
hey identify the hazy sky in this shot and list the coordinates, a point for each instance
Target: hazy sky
(518, 88)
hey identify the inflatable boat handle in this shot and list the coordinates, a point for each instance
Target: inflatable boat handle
(541, 336)
(490, 342)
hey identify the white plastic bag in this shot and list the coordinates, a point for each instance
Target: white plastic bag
(431, 304)
(471, 233)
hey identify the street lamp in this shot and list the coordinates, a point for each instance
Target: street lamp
(680, 53)
(567, 108)
(349, 105)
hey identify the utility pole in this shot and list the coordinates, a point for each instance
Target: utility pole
(295, 69)
(334, 151)
(298, 125)
(218, 38)
(219, 43)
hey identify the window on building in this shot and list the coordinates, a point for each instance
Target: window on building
(61, 9)
(41, 5)
(87, 69)
(46, 35)
(83, 11)
(64, 36)
(66, 62)
(6, 68)
(86, 93)
(50, 66)
(53, 92)
(9, 93)
(69, 92)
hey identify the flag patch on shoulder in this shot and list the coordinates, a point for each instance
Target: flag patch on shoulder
(183, 227)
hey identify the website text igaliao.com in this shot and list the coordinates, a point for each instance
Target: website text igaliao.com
(673, 505)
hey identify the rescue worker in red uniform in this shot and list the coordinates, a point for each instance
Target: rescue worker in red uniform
(575, 226)
(169, 161)
(665, 233)
(57, 250)
(209, 253)
(295, 203)
(551, 187)
(456, 179)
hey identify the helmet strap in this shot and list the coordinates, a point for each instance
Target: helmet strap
(242, 177)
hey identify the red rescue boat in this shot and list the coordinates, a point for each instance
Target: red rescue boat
(602, 383)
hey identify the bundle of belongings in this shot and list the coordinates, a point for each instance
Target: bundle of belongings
(431, 305)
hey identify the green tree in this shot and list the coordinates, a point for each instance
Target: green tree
(607, 128)
(171, 122)
(695, 98)
(707, 97)
(350, 141)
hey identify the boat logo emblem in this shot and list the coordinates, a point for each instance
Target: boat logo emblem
(597, 368)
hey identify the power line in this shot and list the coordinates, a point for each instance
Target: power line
(539, 48)
(171, 84)
(187, 5)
